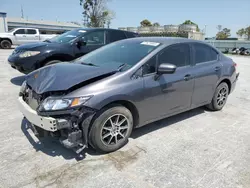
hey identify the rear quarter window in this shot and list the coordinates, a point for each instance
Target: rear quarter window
(116, 35)
(131, 34)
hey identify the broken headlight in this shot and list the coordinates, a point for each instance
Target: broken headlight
(51, 103)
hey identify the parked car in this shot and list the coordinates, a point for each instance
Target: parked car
(20, 36)
(65, 47)
(243, 51)
(100, 98)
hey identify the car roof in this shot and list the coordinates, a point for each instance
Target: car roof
(93, 29)
(166, 41)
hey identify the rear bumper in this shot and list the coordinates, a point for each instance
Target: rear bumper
(234, 83)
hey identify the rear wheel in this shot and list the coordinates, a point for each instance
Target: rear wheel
(5, 44)
(220, 97)
(52, 62)
(111, 129)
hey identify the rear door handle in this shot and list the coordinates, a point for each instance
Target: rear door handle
(217, 69)
(187, 77)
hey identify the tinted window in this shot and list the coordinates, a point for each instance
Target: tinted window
(20, 31)
(204, 53)
(131, 34)
(149, 67)
(31, 31)
(178, 55)
(116, 35)
(94, 38)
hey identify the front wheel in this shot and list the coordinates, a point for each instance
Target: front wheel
(5, 44)
(220, 97)
(111, 129)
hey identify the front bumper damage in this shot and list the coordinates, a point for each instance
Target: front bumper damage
(70, 127)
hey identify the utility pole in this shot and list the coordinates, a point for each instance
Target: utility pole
(22, 16)
(85, 19)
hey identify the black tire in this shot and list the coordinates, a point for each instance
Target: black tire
(220, 97)
(5, 44)
(52, 62)
(98, 132)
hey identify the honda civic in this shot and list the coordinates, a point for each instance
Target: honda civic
(100, 98)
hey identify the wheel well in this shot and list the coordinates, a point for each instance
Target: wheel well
(131, 108)
(1, 39)
(57, 57)
(227, 81)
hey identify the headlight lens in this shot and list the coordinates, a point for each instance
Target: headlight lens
(28, 54)
(58, 104)
(23, 87)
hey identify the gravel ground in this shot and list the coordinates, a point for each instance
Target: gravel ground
(194, 149)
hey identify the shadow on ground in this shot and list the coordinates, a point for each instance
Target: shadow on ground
(165, 122)
(17, 80)
(53, 148)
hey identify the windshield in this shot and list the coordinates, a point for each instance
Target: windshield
(126, 52)
(10, 31)
(68, 36)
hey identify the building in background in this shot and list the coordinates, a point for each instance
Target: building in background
(3, 22)
(45, 27)
(184, 30)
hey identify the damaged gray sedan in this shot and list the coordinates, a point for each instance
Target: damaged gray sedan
(101, 97)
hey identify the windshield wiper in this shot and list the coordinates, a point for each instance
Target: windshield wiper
(90, 64)
(122, 66)
(47, 41)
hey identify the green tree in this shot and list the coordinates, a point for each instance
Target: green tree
(241, 32)
(225, 33)
(145, 23)
(97, 12)
(247, 32)
(189, 22)
(156, 24)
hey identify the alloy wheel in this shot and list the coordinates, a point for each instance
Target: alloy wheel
(222, 96)
(114, 129)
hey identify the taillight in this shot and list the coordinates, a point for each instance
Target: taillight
(235, 64)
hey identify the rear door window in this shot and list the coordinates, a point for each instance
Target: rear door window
(31, 31)
(204, 53)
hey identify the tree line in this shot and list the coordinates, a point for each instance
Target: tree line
(97, 14)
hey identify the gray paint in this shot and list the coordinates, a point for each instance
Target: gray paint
(169, 95)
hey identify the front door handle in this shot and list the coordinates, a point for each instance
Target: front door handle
(187, 77)
(217, 68)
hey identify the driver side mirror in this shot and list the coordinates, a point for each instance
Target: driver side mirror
(14, 33)
(81, 42)
(165, 68)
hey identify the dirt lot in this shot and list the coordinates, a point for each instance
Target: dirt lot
(194, 149)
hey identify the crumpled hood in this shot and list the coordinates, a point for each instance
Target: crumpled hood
(63, 76)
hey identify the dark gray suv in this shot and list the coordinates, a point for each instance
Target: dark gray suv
(101, 97)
